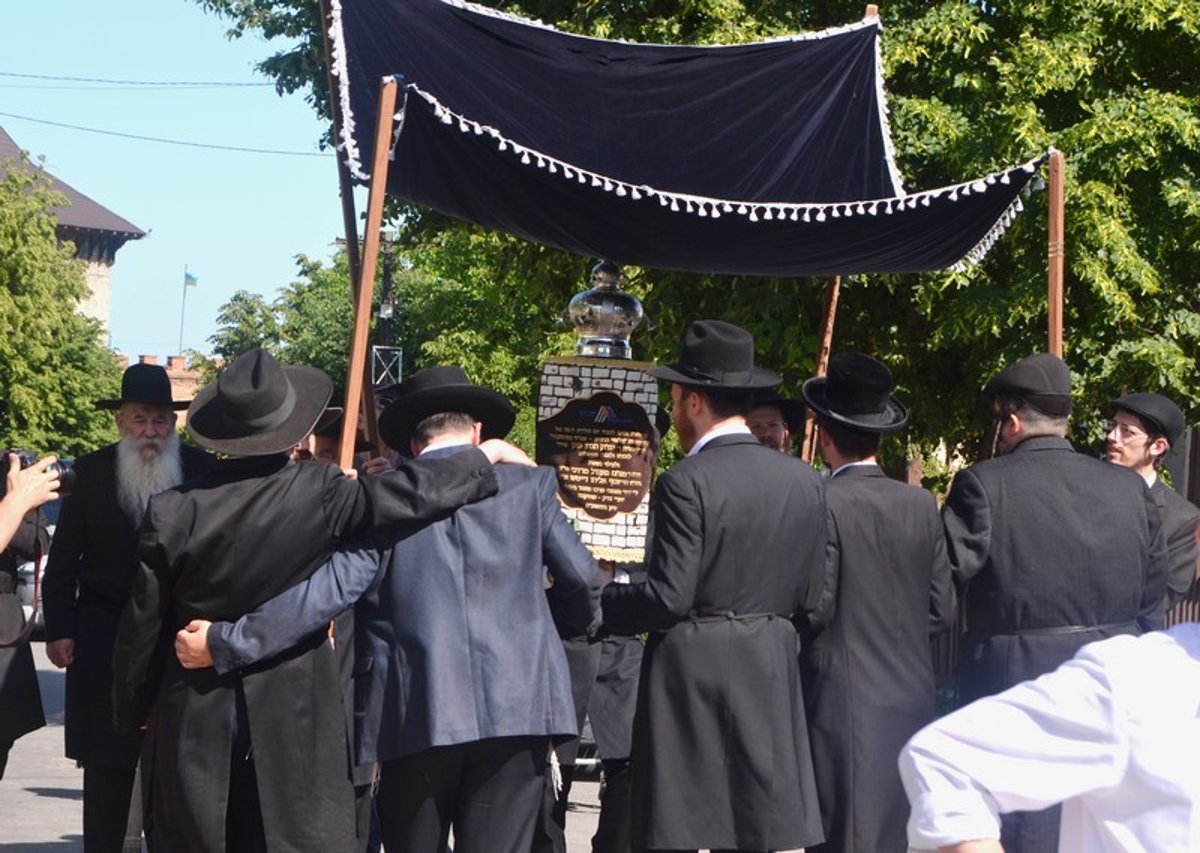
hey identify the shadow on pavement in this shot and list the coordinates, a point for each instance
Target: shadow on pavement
(60, 793)
(58, 845)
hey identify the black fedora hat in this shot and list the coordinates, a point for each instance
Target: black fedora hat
(1043, 381)
(856, 393)
(1158, 413)
(258, 407)
(442, 389)
(793, 411)
(147, 384)
(716, 354)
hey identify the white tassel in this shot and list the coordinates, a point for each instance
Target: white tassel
(555, 773)
(596, 182)
(979, 187)
(807, 217)
(794, 215)
(502, 145)
(873, 209)
(925, 202)
(821, 215)
(742, 209)
(674, 205)
(635, 195)
(553, 167)
(525, 158)
(621, 191)
(754, 214)
(768, 215)
(727, 207)
(1005, 179)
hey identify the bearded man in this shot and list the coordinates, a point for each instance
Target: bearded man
(88, 581)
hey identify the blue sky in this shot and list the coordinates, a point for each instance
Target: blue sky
(237, 220)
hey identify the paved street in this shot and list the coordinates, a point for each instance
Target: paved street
(41, 799)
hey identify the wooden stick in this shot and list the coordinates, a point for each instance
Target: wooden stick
(349, 217)
(359, 365)
(828, 315)
(1056, 252)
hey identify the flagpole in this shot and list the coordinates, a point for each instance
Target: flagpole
(182, 310)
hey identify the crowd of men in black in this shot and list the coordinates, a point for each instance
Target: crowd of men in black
(412, 653)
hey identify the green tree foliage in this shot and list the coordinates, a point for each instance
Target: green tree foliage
(53, 365)
(308, 322)
(972, 86)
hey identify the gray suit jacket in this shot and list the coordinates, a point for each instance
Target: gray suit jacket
(454, 639)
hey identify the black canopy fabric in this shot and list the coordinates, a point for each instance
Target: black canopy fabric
(771, 158)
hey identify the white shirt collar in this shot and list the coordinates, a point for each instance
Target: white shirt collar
(736, 428)
(1151, 478)
(842, 468)
(442, 444)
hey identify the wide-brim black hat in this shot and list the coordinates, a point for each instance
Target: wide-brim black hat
(442, 389)
(1159, 414)
(793, 411)
(716, 354)
(1043, 381)
(856, 393)
(258, 407)
(147, 384)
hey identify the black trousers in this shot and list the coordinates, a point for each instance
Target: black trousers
(612, 830)
(107, 793)
(488, 790)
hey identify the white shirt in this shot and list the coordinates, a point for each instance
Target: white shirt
(1113, 734)
(727, 429)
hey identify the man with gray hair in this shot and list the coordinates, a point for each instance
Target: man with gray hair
(88, 581)
(1050, 549)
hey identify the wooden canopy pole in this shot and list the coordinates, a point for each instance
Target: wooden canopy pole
(359, 366)
(828, 315)
(349, 217)
(1056, 252)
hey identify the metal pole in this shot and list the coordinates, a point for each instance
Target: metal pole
(182, 310)
(359, 366)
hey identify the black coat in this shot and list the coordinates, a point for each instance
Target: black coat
(1051, 550)
(720, 753)
(868, 672)
(20, 700)
(215, 549)
(88, 579)
(1179, 520)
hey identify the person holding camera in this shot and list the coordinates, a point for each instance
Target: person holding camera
(22, 535)
(88, 580)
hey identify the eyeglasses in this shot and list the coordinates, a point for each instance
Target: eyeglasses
(1125, 431)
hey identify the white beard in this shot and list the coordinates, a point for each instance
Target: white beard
(141, 476)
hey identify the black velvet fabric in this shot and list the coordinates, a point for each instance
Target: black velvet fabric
(788, 121)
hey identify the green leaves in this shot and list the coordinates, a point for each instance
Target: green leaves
(53, 364)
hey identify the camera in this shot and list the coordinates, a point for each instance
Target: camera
(62, 467)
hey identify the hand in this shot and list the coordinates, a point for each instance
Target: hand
(378, 465)
(501, 451)
(351, 473)
(33, 486)
(987, 845)
(61, 652)
(191, 645)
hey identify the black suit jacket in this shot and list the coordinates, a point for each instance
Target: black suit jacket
(868, 672)
(720, 753)
(1179, 520)
(1051, 549)
(88, 579)
(215, 549)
